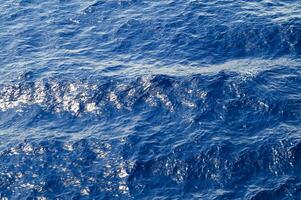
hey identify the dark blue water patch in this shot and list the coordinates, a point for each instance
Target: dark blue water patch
(198, 32)
(98, 169)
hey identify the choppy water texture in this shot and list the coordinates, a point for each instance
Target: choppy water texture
(133, 99)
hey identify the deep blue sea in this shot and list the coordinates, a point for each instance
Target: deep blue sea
(150, 99)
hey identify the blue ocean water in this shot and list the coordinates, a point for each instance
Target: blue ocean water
(136, 99)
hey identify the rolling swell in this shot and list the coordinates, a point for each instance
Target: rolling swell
(135, 99)
(225, 90)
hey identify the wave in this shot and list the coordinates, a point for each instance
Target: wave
(143, 99)
(223, 92)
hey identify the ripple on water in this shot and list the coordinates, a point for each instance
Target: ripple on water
(143, 99)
